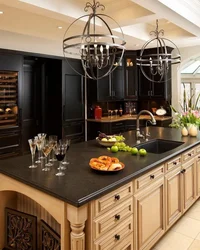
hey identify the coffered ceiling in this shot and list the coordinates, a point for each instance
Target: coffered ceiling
(36, 22)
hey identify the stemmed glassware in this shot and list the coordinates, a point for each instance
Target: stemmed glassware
(32, 144)
(47, 150)
(39, 148)
(53, 139)
(116, 110)
(60, 151)
(42, 137)
(66, 142)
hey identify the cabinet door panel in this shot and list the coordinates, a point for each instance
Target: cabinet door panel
(198, 176)
(150, 215)
(173, 196)
(131, 84)
(158, 89)
(189, 184)
(118, 83)
(73, 97)
(104, 87)
(144, 84)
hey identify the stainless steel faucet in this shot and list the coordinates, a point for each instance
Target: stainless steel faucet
(152, 121)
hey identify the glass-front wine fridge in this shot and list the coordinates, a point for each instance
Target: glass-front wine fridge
(8, 99)
(9, 115)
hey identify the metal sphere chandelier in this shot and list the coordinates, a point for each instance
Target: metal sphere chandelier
(100, 52)
(159, 62)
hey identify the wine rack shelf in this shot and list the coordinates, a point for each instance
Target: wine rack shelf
(8, 98)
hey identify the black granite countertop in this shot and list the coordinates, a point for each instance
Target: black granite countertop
(82, 184)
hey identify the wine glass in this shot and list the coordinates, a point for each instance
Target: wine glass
(46, 151)
(32, 144)
(42, 137)
(39, 148)
(53, 139)
(60, 152)
(116, 110)
(66, 142)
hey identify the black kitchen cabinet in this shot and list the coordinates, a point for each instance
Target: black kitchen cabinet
(153, 89)
(73, 102)
(131, 82)
(108, 88)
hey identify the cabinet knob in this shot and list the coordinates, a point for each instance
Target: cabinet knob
(117, 216)
(174, 162)
(189, 154)
(183, 171)
(117, 197)
(117, 236)
(152, 176)
(199, 156)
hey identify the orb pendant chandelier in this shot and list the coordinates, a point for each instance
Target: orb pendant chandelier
(99, 49)
(159, 62)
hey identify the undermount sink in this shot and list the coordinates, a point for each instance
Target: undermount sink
(159, 146)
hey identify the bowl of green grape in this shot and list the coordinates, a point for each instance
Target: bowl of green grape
(109, 140)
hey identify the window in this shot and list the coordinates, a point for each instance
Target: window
(185, 94)
(196, 94)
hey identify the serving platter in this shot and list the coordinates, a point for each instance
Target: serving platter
(110, 171)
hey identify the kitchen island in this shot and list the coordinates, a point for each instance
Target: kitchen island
(84, 201)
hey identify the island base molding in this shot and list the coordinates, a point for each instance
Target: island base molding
(66, 220)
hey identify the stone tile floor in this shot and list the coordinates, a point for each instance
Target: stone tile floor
(185, 234)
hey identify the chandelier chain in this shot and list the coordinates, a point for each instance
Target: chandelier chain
(157, 32)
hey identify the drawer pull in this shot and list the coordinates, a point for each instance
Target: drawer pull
(117, 236)
(117, 197)
(183, 171)
(174, 162)
(199, 157)
(117, 216)
(189, 154)
(152, 176)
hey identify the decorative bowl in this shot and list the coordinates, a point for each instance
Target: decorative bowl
(107, 143)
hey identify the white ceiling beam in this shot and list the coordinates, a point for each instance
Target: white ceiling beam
(167, 13)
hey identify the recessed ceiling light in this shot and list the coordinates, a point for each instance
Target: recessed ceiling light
(136, 45)
(1, 12)
(168, 22)
(59, 27)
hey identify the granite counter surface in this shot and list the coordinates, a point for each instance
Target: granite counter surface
(82, 184)
(128, 117)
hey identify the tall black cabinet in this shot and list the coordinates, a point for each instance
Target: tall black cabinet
(73, 107)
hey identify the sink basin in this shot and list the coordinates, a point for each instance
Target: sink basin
(159, 146)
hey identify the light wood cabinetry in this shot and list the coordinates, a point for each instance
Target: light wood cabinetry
(180, 185)
(188, 174)
(111, 221)
(198, 175)
(147, 179)
(149, 213)
(173, 195)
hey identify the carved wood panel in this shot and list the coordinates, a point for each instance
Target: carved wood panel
(21, 230)
(49, 239)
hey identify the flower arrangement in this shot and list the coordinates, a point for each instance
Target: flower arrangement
(185, 119)
(190, 113)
